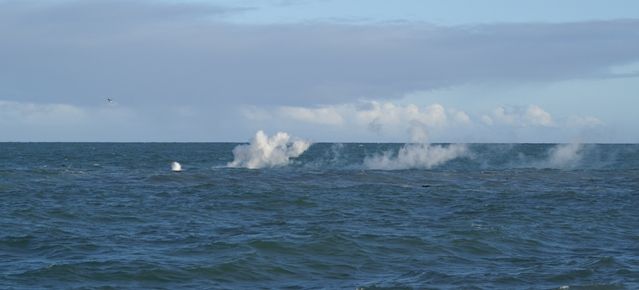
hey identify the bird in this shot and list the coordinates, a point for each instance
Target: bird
(109, 100)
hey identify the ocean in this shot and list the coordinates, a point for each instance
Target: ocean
(328, 216)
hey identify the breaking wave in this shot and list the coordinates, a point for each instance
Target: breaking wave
(265, 151)
(281, 150)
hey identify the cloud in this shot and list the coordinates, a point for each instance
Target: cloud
(161, 52)
(379, 115)
(323, 115)
(376, 116)
(501, 115)
(537, 116)
(393, 121)
(532, 115)
(382, 118)
(391, 114)
(179, 69)
(460, 116)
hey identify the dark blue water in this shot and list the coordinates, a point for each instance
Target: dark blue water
(113, 216)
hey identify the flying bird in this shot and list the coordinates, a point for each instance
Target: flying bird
(109, 100)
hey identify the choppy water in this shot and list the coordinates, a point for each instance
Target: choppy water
(501, 216)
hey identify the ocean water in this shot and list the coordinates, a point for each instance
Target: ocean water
(339, 216)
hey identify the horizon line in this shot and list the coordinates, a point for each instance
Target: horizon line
(313, 142)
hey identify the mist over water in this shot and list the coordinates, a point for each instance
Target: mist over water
(415, 156)
(442, 216)
(564, 155)
(281, 149)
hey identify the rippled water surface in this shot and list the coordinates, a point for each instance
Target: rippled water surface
(500, 216)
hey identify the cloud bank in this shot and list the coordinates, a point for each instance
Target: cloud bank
(181, 70)
(158, 51)
(399, 122)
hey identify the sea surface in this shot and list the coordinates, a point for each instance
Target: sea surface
(339, 216)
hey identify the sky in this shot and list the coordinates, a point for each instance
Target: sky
(325, 70)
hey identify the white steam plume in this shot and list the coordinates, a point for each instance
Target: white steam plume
(265, 151)
(564, 155)
(419, 155)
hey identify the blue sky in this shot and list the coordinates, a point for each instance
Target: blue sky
(325, 70)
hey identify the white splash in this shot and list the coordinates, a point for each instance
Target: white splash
(564, 155)
(265, 151)
(176, 167)
(416, 156)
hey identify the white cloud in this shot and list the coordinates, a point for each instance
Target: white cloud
(380, 116)
(532, 115)
(384, 118)
(460, 116)
(434, 122)
(162, 54)
(323, 115)
(199, 53)
(433, 115)
(373, 114)
(390, 114)
(378, 113)
(537, 116)
(500, 114)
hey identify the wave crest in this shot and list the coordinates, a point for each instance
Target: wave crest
(265, 151)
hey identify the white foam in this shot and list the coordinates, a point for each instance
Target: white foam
(265, 151)
(416, 156)
(176, 167)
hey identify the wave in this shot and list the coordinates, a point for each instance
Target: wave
(265, 151)
(280, 150)
(370, 156)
